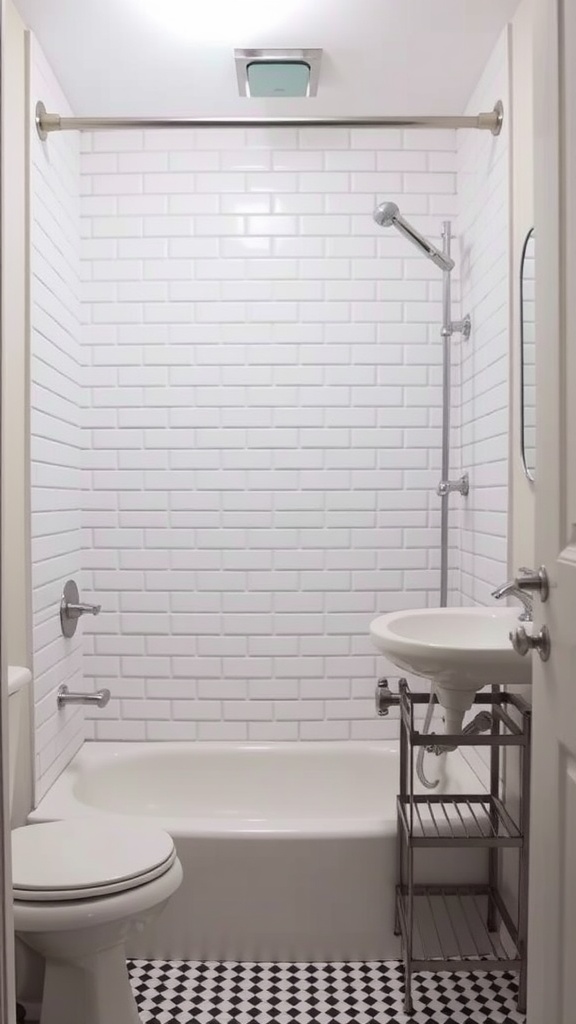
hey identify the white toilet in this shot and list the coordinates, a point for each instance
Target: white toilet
(79, 887)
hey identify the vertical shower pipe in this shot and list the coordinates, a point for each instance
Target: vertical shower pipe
(443, 489)
(446, 333)
(447, 486)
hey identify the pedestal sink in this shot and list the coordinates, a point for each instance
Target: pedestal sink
(459, 649)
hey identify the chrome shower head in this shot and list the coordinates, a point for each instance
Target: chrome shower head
(387, 214)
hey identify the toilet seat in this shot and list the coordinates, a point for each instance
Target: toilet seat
(85, 858)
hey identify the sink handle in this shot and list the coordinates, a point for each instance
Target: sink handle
(522, 642)
(534, 581)
(385, 699)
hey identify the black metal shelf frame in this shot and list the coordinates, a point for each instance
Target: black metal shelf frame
(463, 927)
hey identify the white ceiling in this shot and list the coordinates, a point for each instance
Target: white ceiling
(175, 57)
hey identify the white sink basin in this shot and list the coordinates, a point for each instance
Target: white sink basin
(460, 649)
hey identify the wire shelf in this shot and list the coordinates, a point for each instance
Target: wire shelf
(457, 820)
(450, 931)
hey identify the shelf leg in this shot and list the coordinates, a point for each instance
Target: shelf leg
(492, 917)
(399, 873)
(400, 832)
(408, 946)
(523, 865)
(408, 1004)
(522, 988)
(397, 929)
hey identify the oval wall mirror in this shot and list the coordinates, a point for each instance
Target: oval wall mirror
(528, 369)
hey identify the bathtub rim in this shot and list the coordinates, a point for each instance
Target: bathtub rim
(61, 801)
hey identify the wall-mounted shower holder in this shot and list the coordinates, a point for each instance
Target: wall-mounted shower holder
(463, 327)
(460, 486)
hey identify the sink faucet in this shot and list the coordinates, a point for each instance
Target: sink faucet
(527, 583)
(512, 589)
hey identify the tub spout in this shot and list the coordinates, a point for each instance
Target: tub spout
(98, 699)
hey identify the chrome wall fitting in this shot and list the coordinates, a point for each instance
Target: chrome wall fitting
(40, 113)
(71, 609)
(384, 698)
(98, 699)
(522, 642)
(461, 486)
(463, 327)
(534, 581)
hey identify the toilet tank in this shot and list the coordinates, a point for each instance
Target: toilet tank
(19, 744)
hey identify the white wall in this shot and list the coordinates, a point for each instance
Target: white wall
(16, 617)
(55, 425)
(484, 231)
(521, 523)
(262, 423)
(521, 490)
(15, 627)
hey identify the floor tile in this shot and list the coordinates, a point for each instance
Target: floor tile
(206, 992)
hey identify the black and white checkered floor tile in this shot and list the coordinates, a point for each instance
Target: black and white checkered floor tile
(180, 992)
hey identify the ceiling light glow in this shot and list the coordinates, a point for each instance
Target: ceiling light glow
(220, 22)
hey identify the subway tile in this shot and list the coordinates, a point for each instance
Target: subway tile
(246, 160)
(272, 731)
(277, 181)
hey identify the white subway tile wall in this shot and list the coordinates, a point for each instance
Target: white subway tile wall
(484, 230)
(263, 410)
(56, 455)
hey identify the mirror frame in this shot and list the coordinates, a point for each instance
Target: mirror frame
(528, 472)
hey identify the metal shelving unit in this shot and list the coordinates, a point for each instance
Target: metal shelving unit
(463, 927)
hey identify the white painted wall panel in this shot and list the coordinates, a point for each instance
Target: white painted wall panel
(484, 232)
(56, 440)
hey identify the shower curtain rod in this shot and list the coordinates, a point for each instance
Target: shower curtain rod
(45, 123)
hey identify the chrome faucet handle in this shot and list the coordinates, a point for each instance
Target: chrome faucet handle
(74, 611)
(523, 642)
(534, 580)
(385, 698)
(71, 609)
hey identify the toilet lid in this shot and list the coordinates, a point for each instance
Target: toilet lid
(82, 857)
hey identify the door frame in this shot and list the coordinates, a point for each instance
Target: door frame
(7, 979)
(553, 690)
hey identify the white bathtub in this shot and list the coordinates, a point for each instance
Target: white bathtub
(288, 850)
